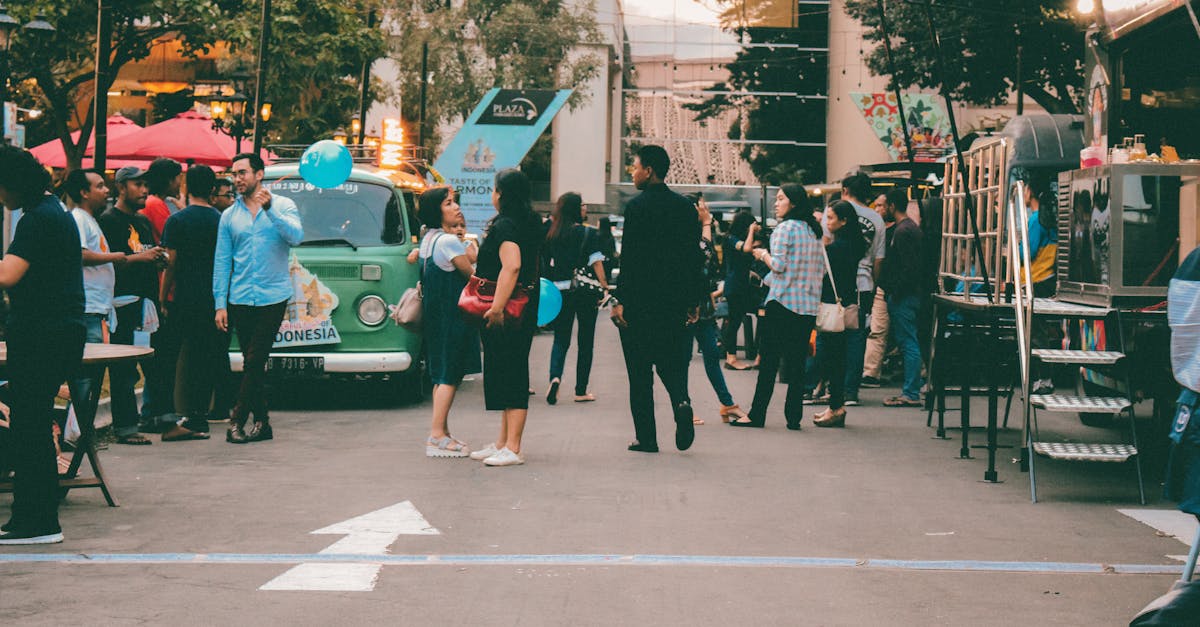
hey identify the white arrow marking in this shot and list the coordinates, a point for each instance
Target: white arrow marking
(369, 534)
(1170, 522)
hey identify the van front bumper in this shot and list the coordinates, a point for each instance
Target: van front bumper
(346, 363)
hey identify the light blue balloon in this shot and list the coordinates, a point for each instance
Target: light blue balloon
(326, 164)
(549, 304)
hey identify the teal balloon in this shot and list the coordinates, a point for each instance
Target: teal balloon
(549, 303)
(326, 164)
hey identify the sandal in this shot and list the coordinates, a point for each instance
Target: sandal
(736, 365)
(179, 433)
(696, 420)
(902, 401)
(445, 447)
(731, 410)
(136, 439)
(749, 422)
(552, 394)
(585, 398)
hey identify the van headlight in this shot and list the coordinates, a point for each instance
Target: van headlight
(372, 311)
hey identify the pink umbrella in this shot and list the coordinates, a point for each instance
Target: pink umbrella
(53, 154)
(188, 138)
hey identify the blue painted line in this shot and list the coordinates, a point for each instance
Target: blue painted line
(595, 560)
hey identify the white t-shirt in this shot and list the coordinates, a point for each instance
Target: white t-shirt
(873, 229)
(448, 247)
(98, 281)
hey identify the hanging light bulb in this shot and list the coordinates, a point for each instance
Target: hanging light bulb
(1085, 7)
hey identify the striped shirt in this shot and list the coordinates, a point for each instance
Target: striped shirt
(797, 268)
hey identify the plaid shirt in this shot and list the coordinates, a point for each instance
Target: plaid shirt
(797, 268)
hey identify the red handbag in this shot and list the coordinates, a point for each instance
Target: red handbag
(476, 299)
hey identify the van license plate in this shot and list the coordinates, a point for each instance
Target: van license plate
(296, 365)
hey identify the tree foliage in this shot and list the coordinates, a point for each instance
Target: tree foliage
(58, 72)
(980, 39)
(785, 70)
(517, 44)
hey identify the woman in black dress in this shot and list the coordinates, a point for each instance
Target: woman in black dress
(844, 251)
(509, 256)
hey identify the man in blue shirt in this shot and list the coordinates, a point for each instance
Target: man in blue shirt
(251, 286)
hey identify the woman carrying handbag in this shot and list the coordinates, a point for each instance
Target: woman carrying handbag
(792, 303)
(452, 346)
(838, 294)
(508, 268)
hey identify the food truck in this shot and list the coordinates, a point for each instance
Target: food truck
(1127, 198)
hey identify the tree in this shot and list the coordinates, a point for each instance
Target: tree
(980, 42)
(59, 72)
(316, 53)
(758, 67)
(518, 44)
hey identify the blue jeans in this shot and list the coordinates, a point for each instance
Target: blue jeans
(903, 311)
(705, 333)
(85, 391)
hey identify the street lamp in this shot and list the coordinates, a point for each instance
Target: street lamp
(228, 113)
(339, 135)
(8, 27)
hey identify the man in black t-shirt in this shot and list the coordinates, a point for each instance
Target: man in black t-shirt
(129, 232)
(190, 238)
(43, 272)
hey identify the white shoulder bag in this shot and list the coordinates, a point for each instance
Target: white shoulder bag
(833, 317)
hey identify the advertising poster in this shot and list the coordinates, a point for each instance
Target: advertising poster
(308, 320)
(928, 125)
(497, 135)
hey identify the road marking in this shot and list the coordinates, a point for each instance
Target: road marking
(1171, 522)
(384, 559)
(367, 535)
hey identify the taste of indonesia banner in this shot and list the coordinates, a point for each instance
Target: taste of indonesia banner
(497, 135)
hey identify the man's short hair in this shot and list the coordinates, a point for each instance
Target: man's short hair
(200, 181)
(859, 186)
(655, 158)
(77, 183)
(256, 162)
(223, 181)
(898, 198)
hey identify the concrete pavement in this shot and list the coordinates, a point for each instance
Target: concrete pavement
(880, 489)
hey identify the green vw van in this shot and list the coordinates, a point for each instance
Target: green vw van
(350, 266)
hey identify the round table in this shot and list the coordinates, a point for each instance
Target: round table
(93, 355)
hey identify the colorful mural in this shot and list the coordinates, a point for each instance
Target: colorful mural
(927, 122)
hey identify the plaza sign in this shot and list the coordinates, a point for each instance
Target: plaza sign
(497, 135)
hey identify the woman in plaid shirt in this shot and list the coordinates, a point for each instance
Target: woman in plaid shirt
(797, 268)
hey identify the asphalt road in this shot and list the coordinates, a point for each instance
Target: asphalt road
(873, 524)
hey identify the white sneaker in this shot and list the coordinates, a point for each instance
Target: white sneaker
(504, 457)
(484, 452)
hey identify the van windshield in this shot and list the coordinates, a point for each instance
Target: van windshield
(358, 213)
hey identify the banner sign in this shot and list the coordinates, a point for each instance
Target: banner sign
(928, 125)
(1125, 16)
(497, 135)
(308, 320)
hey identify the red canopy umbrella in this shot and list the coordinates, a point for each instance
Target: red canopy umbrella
(53, 155)
(188, 138)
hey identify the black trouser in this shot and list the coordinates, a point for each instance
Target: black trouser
(654, 343)
(833, 364)
(203, 365)
(158, 395)
(739, 308)
(784, 335)
(39, 361)
(256, 328)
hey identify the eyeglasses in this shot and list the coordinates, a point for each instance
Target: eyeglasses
(226, 195)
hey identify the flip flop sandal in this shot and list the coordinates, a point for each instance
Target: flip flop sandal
(900, 401)
(134, 440)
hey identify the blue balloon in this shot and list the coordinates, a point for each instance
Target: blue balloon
(326, 164)
(549, 304)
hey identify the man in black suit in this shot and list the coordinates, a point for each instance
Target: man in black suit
(661, 284)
